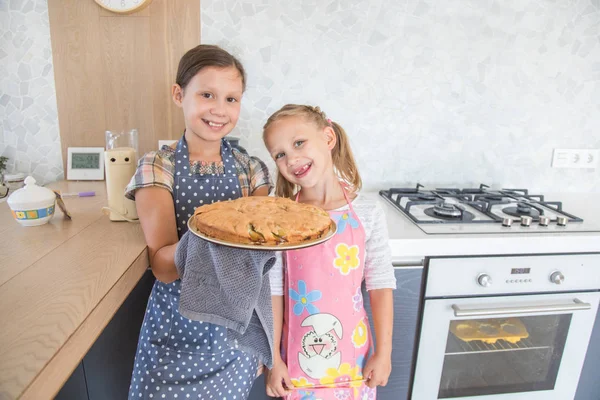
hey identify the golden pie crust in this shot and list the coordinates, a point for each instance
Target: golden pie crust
(490, 331)
(262, 220)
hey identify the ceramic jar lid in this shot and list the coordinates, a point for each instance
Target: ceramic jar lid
(31, 196)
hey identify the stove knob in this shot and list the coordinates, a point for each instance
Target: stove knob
(507, 222)
(544, 221)
(557, 277)
(562, 221)
(484, 280)
(526, 220)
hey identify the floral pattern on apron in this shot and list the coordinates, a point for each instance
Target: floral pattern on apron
(326, 338)
(178, 358)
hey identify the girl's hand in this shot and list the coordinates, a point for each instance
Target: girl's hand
(278, 380)
(377, 370)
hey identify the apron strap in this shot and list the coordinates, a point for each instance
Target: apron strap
(347, 199)
(345, 196)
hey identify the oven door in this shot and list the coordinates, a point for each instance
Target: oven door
(510, 347)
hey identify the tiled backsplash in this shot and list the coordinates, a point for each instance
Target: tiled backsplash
(29, 133)
(451, 92)
(455, 92)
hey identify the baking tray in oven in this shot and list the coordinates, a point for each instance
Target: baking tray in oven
(489, 331)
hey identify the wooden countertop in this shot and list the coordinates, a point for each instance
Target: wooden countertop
(60, 284)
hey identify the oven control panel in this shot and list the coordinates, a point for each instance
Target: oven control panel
(464, 276)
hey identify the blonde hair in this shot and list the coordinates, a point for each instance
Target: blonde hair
(341, 155)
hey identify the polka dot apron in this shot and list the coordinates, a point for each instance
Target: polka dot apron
(178, 358)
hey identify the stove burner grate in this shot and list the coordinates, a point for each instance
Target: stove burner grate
(523, 209)
(449, 212)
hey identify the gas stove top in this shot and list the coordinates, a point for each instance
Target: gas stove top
(482, 210)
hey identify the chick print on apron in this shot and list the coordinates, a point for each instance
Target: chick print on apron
(178, 358)
(326, 337)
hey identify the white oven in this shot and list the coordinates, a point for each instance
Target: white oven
(514, 327)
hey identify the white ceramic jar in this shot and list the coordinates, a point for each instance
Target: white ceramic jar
(32, 205)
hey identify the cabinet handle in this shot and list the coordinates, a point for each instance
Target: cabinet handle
(408, 264)
(576, 305)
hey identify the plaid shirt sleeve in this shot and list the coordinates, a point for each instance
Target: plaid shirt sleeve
(154, 169)
(253, 172)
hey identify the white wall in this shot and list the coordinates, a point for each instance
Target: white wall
(445, 93)
(452, 92)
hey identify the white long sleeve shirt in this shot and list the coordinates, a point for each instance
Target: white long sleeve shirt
(378, 271)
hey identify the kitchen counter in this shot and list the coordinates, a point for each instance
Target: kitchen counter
(60, 284)
(410, 244)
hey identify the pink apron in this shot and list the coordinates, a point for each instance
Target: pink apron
(326, 338)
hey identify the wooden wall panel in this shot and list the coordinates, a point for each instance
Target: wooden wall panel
(169, 19)
(75, 32)
(115, 71)
(127, 75)
(143, 13)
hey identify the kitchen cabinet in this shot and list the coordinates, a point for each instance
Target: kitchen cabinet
(406, 314)
(109, 362)
(105, 371)
(258, 391)
(75, 387)
(407, 300)
(589, 384)
(61, 284)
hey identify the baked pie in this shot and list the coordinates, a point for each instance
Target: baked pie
(490, 331)
(262, 220)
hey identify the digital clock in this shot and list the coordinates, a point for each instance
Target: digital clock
(516, 271)
(85, 160)
(85, 163)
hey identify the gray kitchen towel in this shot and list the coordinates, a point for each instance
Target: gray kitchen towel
(228, 287)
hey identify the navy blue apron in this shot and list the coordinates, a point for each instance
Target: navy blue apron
(178, 358)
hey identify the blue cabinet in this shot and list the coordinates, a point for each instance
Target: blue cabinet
(589, 384)
(407, 302)
(105, 371)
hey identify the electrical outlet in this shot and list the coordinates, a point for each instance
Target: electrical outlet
(575, 158)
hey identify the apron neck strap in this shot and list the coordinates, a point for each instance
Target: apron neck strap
(343, 191)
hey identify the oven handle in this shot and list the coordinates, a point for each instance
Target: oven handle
(576, 305)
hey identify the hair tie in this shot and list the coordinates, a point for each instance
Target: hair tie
(329, 121)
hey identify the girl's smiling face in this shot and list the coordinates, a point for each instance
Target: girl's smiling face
(301, 150)
(211, 102)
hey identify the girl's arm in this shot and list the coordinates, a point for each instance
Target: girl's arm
(379, 366)
(156, 212)
(278, 379)
(380, 282)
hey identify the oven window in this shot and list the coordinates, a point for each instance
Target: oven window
(503, 355)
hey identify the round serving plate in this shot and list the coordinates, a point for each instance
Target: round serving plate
(258, 246)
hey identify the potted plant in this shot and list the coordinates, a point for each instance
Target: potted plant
(3, 189)
(3, 161)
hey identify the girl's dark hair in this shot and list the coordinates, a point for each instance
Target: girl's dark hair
(202, 56)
